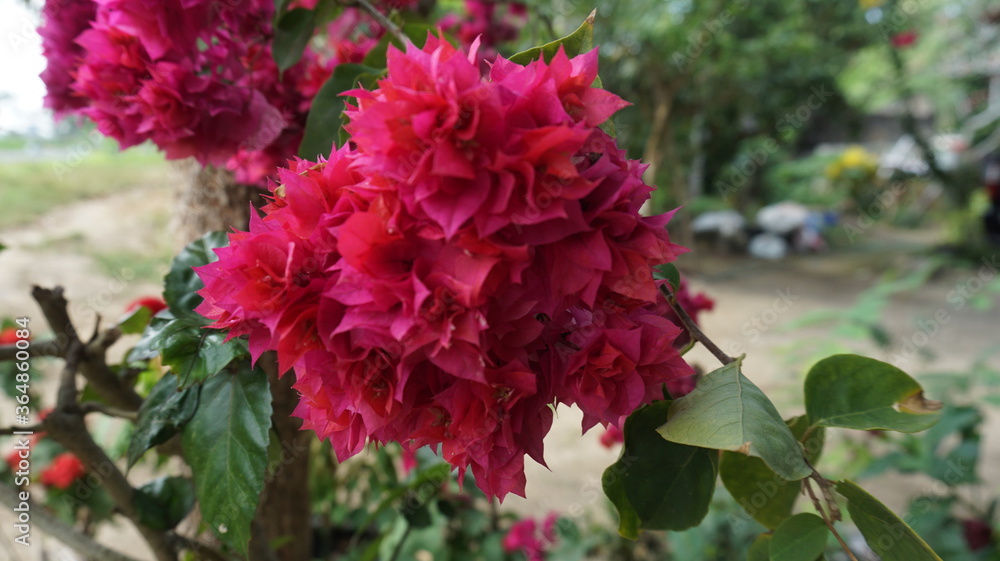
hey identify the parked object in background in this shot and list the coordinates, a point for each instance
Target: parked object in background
(725, 229)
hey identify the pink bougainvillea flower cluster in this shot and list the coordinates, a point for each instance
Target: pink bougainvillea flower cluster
(195, 77)
(532, 538)
(472, 258)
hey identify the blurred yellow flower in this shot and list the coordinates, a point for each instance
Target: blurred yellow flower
(858, 157)
(869, 4)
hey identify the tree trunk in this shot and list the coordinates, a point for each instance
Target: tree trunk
(208, 200)
(655, 155)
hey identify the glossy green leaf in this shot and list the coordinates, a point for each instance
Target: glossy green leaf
(164, 412)
(291, 36)
(182, 283)
(669, 272)
(764, 495)
(888, 536)
(760, 549)
(191, 351)
(580, 41)
(135, 321)
(862, 393)
(163, 502)
(323, 122)
(726, 411)
(225, 444)
(656, 484)
(799, 538)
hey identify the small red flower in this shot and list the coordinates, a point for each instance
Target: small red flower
(154, 303)
(64, 470)
(978, 534)
(530, 538)
(904, 39)
(13, 459)
(8, 336)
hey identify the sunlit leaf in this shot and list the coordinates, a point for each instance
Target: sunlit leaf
(726, 411)
(862, 393)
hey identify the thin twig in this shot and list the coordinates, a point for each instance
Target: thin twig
(93, 406)
(384, 21)
(201, 550)
(693, 329)
(92, 365)
(9, 431)
(399, 545)
(38, 349)
(66, 397)
(819, 508)
(66, 426)
(47, 522)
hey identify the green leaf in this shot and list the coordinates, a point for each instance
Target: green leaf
(580, 41)
(135, 321)
(727, 412)
(182, 283)
(764, 495)
(191, 351)
(760, 549)
(225, 444)
(799, 538)
(888, 536)
(291, 36)
(280, 7)
(163, 502)
(862, 393)
(162, 415)
(656, 484)
(669, 272)
(323, 122)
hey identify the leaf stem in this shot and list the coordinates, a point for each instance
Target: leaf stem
(693, 329)
(826, 518)
(384, 21)
(399, 545)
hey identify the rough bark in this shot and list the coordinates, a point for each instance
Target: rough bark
(208, 199)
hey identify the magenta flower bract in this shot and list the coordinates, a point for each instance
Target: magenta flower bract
(473, 258)
(195, 77)
(62, 22)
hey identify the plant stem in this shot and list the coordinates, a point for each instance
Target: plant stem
(399, 546)
(94, 406)
(693, 329)
(384, 21)
(819, 507)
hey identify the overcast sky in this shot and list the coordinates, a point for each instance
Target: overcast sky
(21, 61)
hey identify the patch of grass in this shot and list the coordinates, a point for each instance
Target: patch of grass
(32, 188)
(130, 265)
